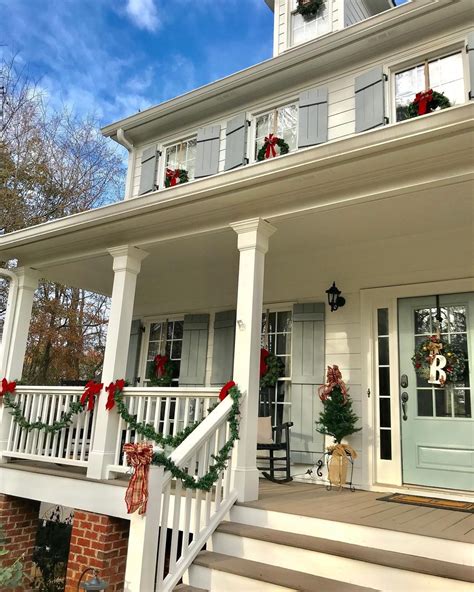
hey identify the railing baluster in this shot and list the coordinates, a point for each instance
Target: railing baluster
(70, 431)
(160, 576)
(187, 509)
(51, 416)
(177, 409)
(166, 425)
(57, 415)
(186, 413)
(175, 532)
(24, 434)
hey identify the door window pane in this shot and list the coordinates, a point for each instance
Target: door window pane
(425, 402)
(462, 403)
(443, 402)
(383, 357)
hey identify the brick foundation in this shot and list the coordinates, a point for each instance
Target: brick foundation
(19, 522)
(98, 542)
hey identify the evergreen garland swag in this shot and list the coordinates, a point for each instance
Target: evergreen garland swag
(271, 368)
(309, 8)
(423, 103)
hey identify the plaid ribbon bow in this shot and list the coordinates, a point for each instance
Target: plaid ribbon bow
(139, 457)
(334, 379)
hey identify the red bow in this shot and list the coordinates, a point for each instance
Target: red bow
(423, 100)
(225, 389)
(160, 363)
(114, 387)
(7, 387)
(271, 141)
(92, 389)
(173, 176)
(334, 379)
(263, 361)
(139, 456)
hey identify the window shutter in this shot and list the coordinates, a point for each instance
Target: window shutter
(470, 55)
(236, 142)
(194, 350)
(223, 350)
(313, 117)
(308, 367)
(133, 358)
(148, 170)
(207, 151)
(370, 100)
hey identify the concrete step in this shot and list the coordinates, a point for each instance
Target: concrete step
(217, 572)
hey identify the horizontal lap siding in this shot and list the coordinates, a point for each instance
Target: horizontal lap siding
(282, 25)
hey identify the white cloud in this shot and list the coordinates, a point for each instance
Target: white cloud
(143, 14)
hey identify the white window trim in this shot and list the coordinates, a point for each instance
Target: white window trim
(251, 139)
(289, 27)
(162, 164)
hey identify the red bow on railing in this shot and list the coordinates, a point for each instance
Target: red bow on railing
(139, 456)
(160, 365)
(92, 389)
(7, 387)
(263, 361)
(334, 379)
(173, 176)
(271, 142)
(113, 387)
(225, 389)
(423, 100)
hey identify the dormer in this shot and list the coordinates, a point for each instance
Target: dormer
(292, 28)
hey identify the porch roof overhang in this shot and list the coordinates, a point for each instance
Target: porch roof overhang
(290, 69)
(398, 160)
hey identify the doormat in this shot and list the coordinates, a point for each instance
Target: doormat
(428, 502)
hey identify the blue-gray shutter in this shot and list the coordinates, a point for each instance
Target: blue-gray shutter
(308, 369)
(148, 170)
(236, 142)
(313, 117)
(370, 100)
(223, 349)
(194, 350)
(470, 55)
(207, 151)
(133, 358)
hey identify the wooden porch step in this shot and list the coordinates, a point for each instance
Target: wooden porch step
(187, 588)
(278, 576)
(370, 555)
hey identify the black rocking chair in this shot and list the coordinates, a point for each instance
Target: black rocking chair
(281, 441)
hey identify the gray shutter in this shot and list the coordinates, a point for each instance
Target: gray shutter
(370, 100)
(223, 350)
(313, 117)
(194, 350)
(308, 367)
(470, 55)
(148, 170)
(236, 142)
(133, 358)
(207, 151)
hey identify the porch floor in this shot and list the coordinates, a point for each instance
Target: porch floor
(363, 508)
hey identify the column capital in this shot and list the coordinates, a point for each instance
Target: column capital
(253, 234)
(127, 258)
(28, 277)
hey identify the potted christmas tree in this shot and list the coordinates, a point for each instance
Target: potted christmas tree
(337, 419)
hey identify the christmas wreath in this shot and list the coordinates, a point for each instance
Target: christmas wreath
(163, 371)
(309, 8)
(268, 149)
(271, 368)
(176, 177)
(429, 348)
(423, 103)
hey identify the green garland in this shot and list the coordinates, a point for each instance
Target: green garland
(170, 181)
(275, 369)
(455, 359)
(309, 8)
(280, 142)
(439, 101)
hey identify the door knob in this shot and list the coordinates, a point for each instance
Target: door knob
(404, 381)
(404, 398)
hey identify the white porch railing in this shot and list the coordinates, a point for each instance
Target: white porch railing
(69, 446)
(168, 410)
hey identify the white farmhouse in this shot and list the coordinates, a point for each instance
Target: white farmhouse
(245, 200)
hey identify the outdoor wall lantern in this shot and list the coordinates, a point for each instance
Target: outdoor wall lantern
(94, 584)
(335, 300)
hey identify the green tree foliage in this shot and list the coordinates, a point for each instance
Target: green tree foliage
(337, 419)
(11, 575)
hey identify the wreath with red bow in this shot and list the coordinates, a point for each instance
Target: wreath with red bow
(309, 8)
(425, 354)
(176, 177)
(423, 103)
(268, 150)
(163, 371)
(271, 368)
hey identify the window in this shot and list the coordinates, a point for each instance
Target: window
(443, 74)
(166, 337)
(182, 156)
(276, 338)
(281, 122)
(383, 359)
(306, 29)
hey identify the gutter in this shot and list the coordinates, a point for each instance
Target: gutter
(122, 139)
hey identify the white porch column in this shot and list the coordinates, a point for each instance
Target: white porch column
(126, 266)
(253, 238)
(8, 322)
(17, 324)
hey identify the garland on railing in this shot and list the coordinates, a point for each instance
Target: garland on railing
(92, 389)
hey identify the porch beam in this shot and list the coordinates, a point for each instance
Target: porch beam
(126, 265)
(252, 242)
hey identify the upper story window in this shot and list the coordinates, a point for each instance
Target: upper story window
(282, 122)
(165, 338)
(182, 156)
(303, 29)
(443, 74)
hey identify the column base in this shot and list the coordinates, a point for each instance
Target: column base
(245, 481)
(98, 463)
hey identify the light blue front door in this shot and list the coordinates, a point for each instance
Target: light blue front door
(437, 424)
